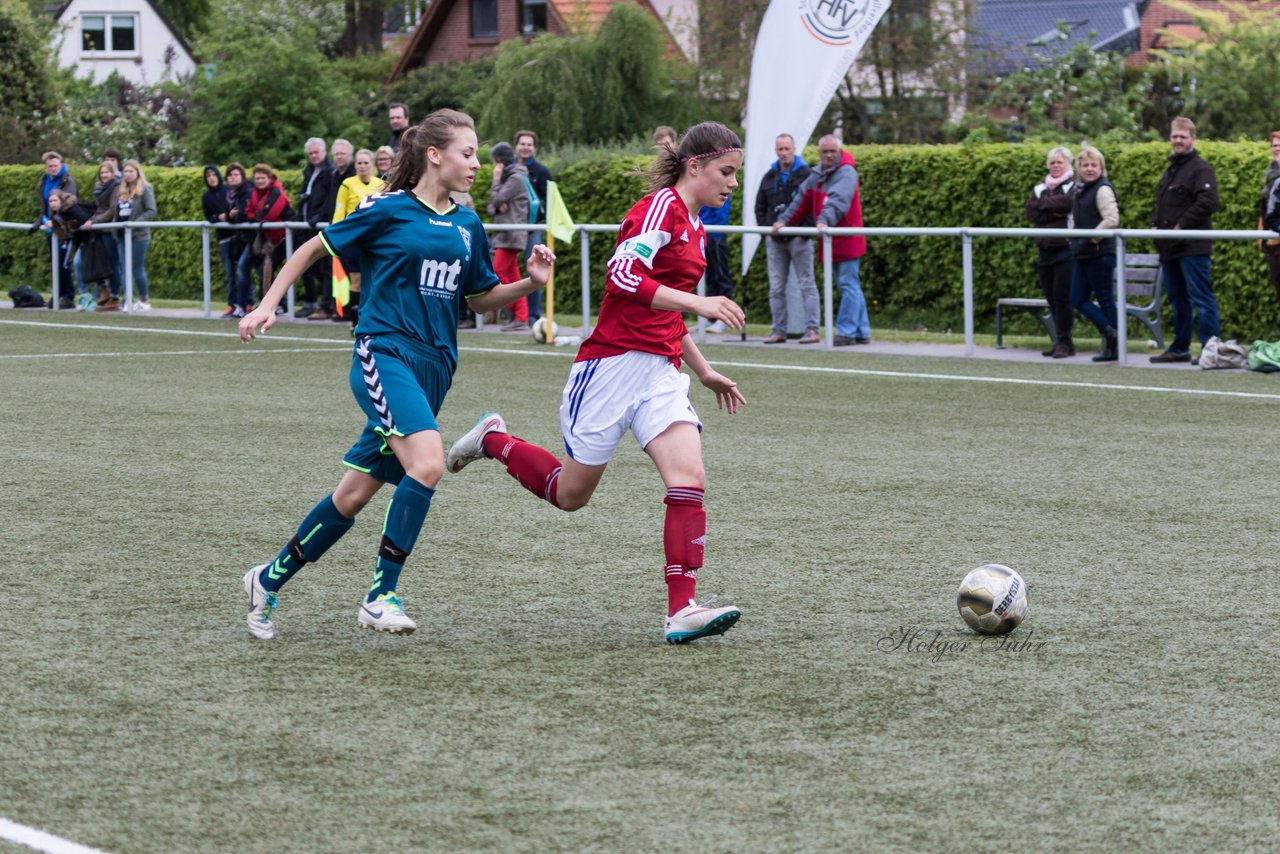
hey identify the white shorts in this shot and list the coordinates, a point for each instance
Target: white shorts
(605, 397)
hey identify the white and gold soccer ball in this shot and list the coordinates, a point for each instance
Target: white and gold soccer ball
(539, 330)
(993, 599)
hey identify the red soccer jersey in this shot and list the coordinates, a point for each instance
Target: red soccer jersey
(659, 244)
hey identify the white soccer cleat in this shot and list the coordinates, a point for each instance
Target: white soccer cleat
(386, 614)
(698, 621)
(470, 446)
(262, 603)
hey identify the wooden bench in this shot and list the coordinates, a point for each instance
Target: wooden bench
(1142, 279)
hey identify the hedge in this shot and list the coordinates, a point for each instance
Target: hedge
(909, 282)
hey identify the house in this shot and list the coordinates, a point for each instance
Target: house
(461, 30)
(1167, 28)
(1007, 33)
(133, 38)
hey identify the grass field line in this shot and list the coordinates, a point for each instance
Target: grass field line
(245, 352)
(41, 841)
(868, 372)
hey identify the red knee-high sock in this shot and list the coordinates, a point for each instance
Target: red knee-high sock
(684, 535)
(536, 468)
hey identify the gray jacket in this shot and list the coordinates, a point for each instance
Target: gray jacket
(143, 209)
(510, 192)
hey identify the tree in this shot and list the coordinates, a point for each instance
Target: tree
(264, 93)
(26, 84)
(1229, 82)
(581, 87)
(363, 31)
(1078, 93)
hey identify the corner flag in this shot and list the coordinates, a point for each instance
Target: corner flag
(559, 223)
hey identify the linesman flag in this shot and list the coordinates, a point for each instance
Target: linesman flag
(559, 223)
(341, 286)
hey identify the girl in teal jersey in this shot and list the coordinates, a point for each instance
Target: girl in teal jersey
(421, 254)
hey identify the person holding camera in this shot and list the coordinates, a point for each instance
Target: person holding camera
(778, 187)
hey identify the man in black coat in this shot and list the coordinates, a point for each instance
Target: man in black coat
(1186, 199)
(777, 188)
(315, 206)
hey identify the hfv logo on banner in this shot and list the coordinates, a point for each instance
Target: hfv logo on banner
(833, 21)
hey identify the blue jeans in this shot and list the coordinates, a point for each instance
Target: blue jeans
(1094, 278)
(140, 284)
(244, 277)
(228, 269)
(535, 298)
(1187, 282)
(851, 318)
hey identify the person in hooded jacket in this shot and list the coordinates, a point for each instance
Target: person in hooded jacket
(216, 206)
(66, 216)
(832, 196)
(509, 203)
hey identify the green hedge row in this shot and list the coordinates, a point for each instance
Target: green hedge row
(910, 282)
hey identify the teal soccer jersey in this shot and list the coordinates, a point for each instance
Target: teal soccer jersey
(415, 265)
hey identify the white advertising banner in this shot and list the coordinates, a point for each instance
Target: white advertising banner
(803, 50)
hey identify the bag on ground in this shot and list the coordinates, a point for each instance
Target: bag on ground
(1219, 355)
(1264, 356)
(25, 296)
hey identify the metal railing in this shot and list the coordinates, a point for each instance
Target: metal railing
(966, 235)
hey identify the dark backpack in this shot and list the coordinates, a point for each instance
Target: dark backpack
(25, 296)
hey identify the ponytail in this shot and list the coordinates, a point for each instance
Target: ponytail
(435, 131)
(708, 139)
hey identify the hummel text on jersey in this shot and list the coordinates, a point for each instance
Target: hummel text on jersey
(438, 278)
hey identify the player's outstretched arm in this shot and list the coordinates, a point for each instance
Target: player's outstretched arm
(726, 390)
(539, 265)
(265, 314)
(712, 308)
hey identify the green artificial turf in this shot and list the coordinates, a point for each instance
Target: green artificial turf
(537, 709)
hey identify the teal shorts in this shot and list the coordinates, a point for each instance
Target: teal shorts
(400, 390)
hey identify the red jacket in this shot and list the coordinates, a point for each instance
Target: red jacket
(832, 197)
(270, 205)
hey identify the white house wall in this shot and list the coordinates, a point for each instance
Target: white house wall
(153, 38)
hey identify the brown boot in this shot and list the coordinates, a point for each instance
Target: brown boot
(112, 304)
(1062, 350)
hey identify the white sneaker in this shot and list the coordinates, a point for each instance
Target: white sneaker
(262, 603)
(142, 306)
(386, 614)
(470, 446)
(698, 621)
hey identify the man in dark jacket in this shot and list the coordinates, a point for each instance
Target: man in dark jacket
(526, 147)
(1186, 198)
(315, 206)
(785, 254)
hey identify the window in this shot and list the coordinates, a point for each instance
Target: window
(93, 29)
(109, 33)
(484, 19)
(122, 33)
(533, 16)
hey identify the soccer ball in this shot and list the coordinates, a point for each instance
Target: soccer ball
(992, 599)
(539, 330)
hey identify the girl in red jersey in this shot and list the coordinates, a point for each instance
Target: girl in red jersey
(627, 374)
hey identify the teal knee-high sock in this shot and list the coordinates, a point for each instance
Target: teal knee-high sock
(321, 528)
(405, 515)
